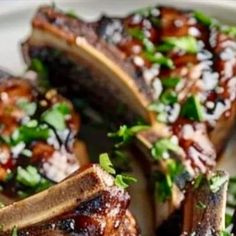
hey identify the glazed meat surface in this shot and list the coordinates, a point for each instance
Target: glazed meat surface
(173, 68)
(92, 205)
(38, 138)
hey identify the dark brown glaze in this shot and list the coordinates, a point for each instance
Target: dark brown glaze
(52, 154)
(101, 208)
(94, 217)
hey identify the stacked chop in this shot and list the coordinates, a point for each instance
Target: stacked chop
(175, 69)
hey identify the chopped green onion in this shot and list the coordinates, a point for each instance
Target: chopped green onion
(185, 43)
(55, 116)
(198, 181)
(159, 59)
(106, 164)
(28, 107)
(123, 181)
(192, 109)
(203, 18)
(170, 82)
(163, 146)
(216, 181)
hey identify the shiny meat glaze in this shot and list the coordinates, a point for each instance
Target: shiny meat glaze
(94, 206)
(100, 216)
(28, 141)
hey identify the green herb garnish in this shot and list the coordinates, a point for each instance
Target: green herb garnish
(198, 181)
(201, 205)
(145, 12)
(38, 66)
(216, 181)
(163, 146)
(72, 14)
(106, 164)
(28, 177)
(225, 233)
(28, 134)
(160, 59)
(192, 109)
(170, 82)
(169, 97)
(55, 116)
(164, 182)
(2, 205)
(203, 18)
(28, 107)
(185, 43)
(14, 231)
(31, 181)
(123, 181)
(136, 33)
(125, 134)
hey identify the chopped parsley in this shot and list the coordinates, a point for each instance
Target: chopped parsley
(136, 33)
(201, 205)
(203, 18)
(170, 82)
(72, 14)
(162, 147)
(31, 181)
(106, 164)
(160, 59)
(14, 231)
(224, 233)
(216, 181)
(56, 115)
(198, 181)
(40, 68)
(125, 134)
(192, 109)
(164, 181)
(185, 43)
(123, 181)
(28, 107)
(27, 133)
(169, 97)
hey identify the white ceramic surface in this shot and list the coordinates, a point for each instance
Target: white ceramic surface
(15, 18)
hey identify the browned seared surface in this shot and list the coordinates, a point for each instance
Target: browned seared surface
(87, 203)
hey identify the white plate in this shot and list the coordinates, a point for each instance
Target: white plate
(15, 18)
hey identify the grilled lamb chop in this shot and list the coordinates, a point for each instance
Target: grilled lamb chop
(86, 203)
(175, 69)
(205, 204)
(38, 144)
